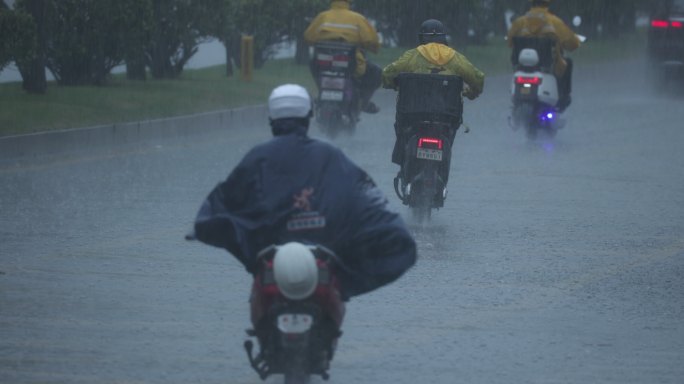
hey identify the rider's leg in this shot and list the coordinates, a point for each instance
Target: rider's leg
(398, 151)
(368, 83)
(565, 86)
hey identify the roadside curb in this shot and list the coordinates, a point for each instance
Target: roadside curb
(125, 134)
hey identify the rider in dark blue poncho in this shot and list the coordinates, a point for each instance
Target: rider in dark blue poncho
(294, 188)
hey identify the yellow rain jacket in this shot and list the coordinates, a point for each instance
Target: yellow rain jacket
(539, 22)
(339, 23)
(436, 58)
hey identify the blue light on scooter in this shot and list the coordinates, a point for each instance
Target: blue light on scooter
(547, 116)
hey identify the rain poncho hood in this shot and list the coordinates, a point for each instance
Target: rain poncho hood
(436, 53)
(294, 188)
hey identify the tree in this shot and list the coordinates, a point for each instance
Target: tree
(135, 36)
(176, 33)
(298, 18)
(84, 42)
(16, 35)
(220, 23)
(404, 17)
(266, 20)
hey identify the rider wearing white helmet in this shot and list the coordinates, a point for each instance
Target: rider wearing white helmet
(295, 270)
(293, 188)
(289, 109)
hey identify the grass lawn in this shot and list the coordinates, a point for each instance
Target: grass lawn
(208, 89)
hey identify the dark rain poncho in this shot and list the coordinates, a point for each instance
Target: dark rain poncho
(294, 188)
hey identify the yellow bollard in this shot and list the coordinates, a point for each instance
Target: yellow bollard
(247, 57)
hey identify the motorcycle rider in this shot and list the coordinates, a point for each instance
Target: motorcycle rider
(432, 56)
(540, 22)
(340, 23)
(297, 189)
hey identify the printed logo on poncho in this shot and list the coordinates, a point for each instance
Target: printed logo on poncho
(306, 218)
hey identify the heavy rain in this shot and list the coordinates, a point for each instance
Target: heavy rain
(556, 257)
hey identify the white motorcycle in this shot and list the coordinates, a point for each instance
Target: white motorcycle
(534, 88)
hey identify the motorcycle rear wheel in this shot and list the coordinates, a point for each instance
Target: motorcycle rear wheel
(421, 207)
(421, 213)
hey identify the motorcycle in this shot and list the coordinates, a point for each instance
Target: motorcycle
(296, 338)
(429, 111)
(534, 87)
(337, 106)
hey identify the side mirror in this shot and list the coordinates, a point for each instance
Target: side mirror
(577, 21)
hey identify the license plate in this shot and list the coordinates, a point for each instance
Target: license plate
(525, 91)
(294, 323)
(332, 95)
(328, 82)
(429, 154)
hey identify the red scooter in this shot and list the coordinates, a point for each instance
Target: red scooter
(296, 337)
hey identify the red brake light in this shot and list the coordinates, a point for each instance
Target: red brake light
(426, 140)
(528, 80)
(677, 24)
(659, 24)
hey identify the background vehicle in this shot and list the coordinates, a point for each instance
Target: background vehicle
(666, 40)
(429, 111)
(337, 105)
(297, 338)
(534, 87)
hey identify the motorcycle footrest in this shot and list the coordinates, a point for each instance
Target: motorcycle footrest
(258, 363)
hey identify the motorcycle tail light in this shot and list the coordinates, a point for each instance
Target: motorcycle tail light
(659, 24)
(428, 142)
(332, 82)
(528, 80)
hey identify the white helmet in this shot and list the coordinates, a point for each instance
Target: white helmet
(295, 271)
(289, 100)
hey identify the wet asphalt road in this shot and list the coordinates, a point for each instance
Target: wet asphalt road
(552, 262)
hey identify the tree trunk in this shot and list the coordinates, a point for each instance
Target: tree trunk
(33, 71)
(229, 58)
(135, 69)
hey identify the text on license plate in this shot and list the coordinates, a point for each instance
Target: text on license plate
(429, 154)
(332, 95)
(294, 323)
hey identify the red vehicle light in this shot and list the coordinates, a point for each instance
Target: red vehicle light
(660, 23)
(677, 24)
(429, 141)
(528, 80)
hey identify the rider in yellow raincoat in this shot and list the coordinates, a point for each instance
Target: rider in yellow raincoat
(433, 56)
(340, 23)
(539, 22)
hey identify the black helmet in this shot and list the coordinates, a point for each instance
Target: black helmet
(432, 31)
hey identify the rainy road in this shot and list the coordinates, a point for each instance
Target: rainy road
(552, 262)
